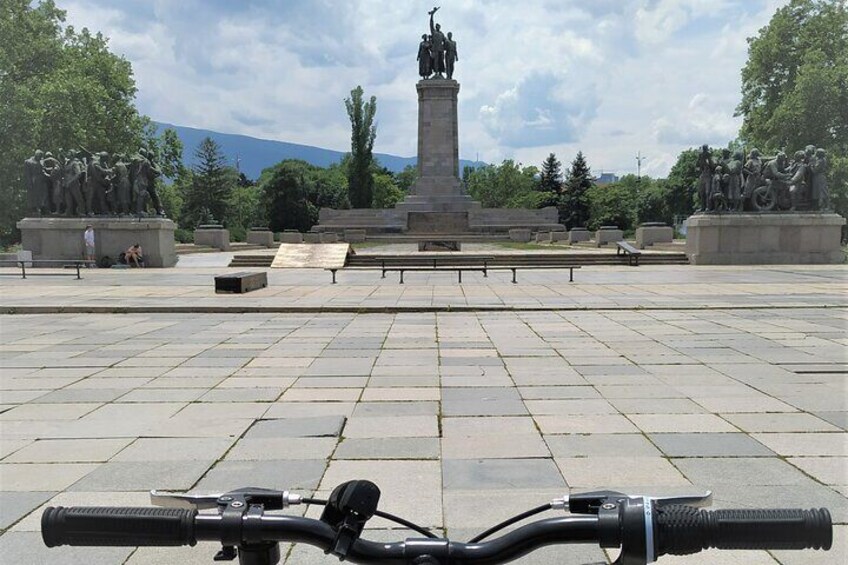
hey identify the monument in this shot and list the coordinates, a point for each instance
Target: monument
(437, 203)
(78, 188)
(771, 210)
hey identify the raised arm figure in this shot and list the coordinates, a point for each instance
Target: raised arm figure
(437, 40)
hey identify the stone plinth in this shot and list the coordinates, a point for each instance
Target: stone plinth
(213, 236)
(764, 239)
(61, 238)
(501, 220)
(520, 234)
(260, 236)
(354, 236)
(649, 234)
(608, 234)
(291, 236)
(576, 235)
(439, 245)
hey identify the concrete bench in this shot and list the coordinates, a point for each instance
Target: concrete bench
(631, 252)
(239, 283)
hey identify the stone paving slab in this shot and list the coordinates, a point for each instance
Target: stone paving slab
(633, 399)
(616, 287)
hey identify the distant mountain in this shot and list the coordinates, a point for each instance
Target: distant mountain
(257, 154)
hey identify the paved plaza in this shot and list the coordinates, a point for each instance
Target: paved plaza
(464, 403)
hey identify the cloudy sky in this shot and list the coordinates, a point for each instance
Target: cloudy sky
(608, 77)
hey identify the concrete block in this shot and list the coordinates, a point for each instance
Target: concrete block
(608, 234)
(559, 236)
(354, 236)
(291, 236)
(261, 236)
(217, 237)
(543, 237)
(312, 237)
(650, 234)
(439, 245)
(579, 234)
(764, 239)
(329, 237)
(521, 235)
(61, 238)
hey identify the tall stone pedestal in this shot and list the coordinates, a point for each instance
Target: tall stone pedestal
(764, 239)
(61, 238)
(437, 203)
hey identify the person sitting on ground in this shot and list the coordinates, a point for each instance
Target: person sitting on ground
(134, 257)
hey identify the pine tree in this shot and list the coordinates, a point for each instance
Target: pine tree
(363, 133)
(212, 185)
(574, 203)
(550, 181)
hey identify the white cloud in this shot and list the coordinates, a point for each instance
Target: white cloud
(608, 77)
(542, 109)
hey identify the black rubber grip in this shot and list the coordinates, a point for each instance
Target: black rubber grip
(681, 530)
(94, 525)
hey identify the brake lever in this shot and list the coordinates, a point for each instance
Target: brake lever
(183, 500)
(590, 502)
(270, 499)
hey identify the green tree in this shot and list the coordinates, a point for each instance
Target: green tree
(795, 82)
(550, 180)
(59, 88)
(244, 211)
(574, 203)
(386, 192)
(682, 184)
(614, 204)
(407, 177)
(211, 188)
(795, 87)
(285, 190)
(363, 134)
(505, 186)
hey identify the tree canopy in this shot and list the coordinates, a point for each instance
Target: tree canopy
(60, 88)
(574, 204)
(795, 82)
(363, 134)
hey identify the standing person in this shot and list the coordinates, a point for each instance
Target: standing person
(88, 237)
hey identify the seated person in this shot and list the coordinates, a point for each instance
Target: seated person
(134, 256)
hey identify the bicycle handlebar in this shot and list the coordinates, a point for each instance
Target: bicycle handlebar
(673, 529)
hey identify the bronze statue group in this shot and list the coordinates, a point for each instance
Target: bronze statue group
(437, 54)
(80, 183)
(763, 184)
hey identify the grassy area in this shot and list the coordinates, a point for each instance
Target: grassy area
(523, 246)
(370, 244)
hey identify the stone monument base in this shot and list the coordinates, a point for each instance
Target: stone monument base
(61, 238)
(764, 239)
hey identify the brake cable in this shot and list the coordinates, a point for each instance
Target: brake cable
(510, 521)
(391, 517)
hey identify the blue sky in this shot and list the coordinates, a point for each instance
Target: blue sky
(608, 77)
